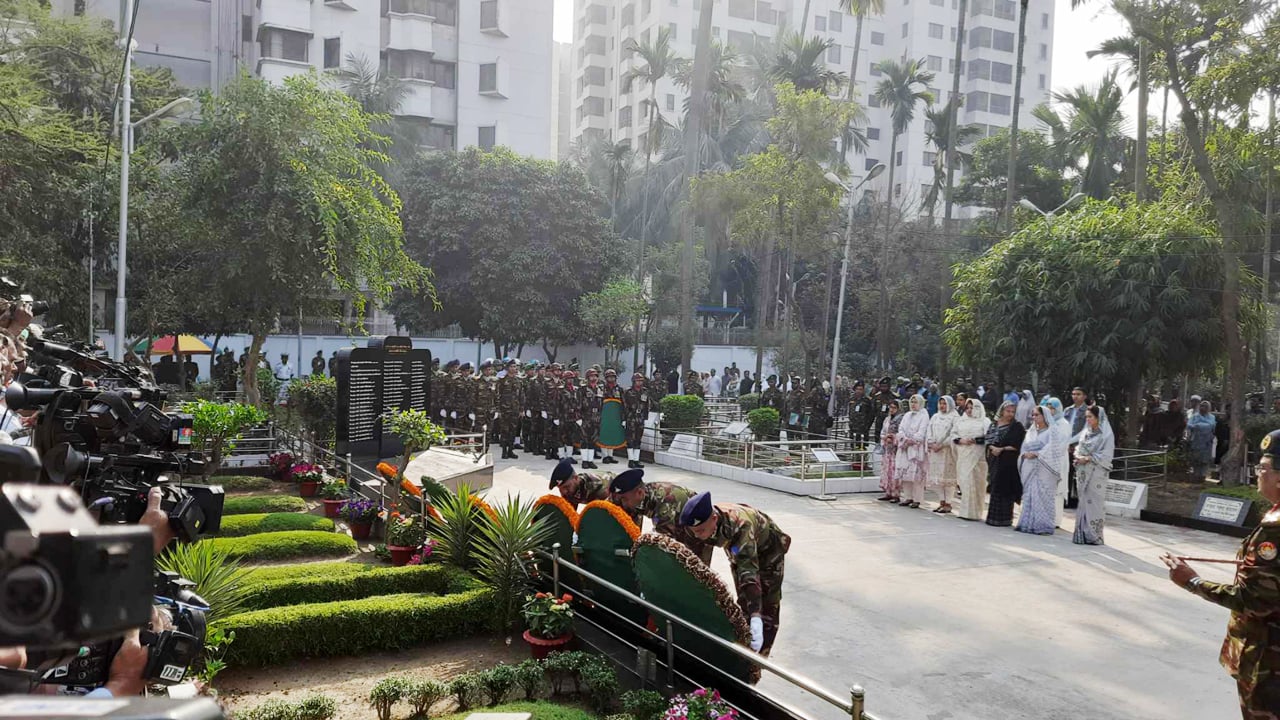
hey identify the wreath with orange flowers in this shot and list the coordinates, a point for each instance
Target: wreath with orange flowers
(628, 525)
(388, 470)
(704, 575)
(480, 503)
(562, 505)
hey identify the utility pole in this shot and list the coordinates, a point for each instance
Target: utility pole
(953, 110)
(1011, 187)
(1266, 256)
(126, 146)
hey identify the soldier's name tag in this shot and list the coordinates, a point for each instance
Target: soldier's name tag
(1267, 551)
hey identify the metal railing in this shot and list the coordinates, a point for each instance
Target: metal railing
(854, 707)
(1139, 465)
(791, 457)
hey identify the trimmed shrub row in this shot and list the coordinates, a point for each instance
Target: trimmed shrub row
(253, 504)
(355, 627)
(323, 587)
(306, 570)
(313, 707)
(241, 483)
(240, 525)
(287, 545)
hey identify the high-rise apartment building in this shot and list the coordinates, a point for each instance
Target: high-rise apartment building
(478, 72)
(915, 29)
(562, 90)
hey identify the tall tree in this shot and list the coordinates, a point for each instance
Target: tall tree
(1017, 112)
(986, 181)
(860, 9)
(1095, 120)
(940, 135)
(904, 86)
(802, 62)
(692, 142)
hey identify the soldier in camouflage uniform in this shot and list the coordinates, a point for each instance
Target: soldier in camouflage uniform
(1251, 651)
(553, 389)
(862, 412)
(484, 402)
(570, 412)
(657, 387)
(797, 401)
(692, 385)
(637, 404)
(592, 397)
(819, 399)
(773, 397)
(579, 488)
(757, 551)
(443, 391)
(535, 403)
(464, 388)
(880, 402)
(510, 409)
(662, 503)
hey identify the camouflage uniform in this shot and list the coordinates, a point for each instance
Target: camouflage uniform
(592, 399)
(662, 504)
(570, 414)
(880, 403)
(657, 387)
(819, 419)
(772, 397)
(591, 486)
(638, 404)
(554, 429)
(692, 386)
(757, 551)
(535, 406)
(435, 395)
(509, 411)
(1251, 650)
(862, 412)
(484, 404)
(797, 399)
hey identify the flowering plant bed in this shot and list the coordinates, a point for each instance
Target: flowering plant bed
(701, 704)
(547, 616)
(280, 465)
(358, 511)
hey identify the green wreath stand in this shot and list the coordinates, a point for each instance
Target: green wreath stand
(561, 527)
(606, 551)
(673, 578)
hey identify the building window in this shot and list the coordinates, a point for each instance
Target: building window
(1042, 82)
(409, 64)
(444, 11)
(833, 54)
(445, 74)
(951, 65)
(628, 16)
(1001, 104)
(442, 137)
(906, 29)
(873, 133)
(283, 44)
(675, 32)
(624, 117)
(837, 21)
(671, 101)
(741, 42)
(875, 70)
(488, 137)
(897, 189)
(979, 37)
(332, 52)
(1044, 51)
(938, 3)
(877, 38)
(870, 163)
(929, 158)
(488, 77)
(742, 9)
(246, 28)
(897, 159)
(953, 33)
(1044, 21)
(976, 101)
(488, 14)
(820, 23)
(1002, 40)
(935, 63)
(873, 100)
(935, 31)
(646, 7)
(594, 76)
(594, 45)
(1002, 72)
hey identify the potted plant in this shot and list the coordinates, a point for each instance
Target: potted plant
(405, 535)
(550, 623)
(309, 477)
(359, 514)
(701, 703)
(333, 493)
(280, 464)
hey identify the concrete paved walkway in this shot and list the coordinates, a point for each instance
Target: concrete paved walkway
(940, 618)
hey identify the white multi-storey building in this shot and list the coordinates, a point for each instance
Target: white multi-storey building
(915, 29)
(479, 72)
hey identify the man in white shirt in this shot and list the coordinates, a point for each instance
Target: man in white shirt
(284, 373)
(713, 385)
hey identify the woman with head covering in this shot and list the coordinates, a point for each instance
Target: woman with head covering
(1004, 440)
(889, 445)
(1040, 467)
(942, 453)
(1200, 431)
(968, 436)
(912, 460)
(1026, 403)
(1062, 434)
(1095, 448)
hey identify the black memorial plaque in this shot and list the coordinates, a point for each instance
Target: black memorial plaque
(386, 375)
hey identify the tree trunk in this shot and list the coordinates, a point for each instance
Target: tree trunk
(944, 291)
(1140, 154)
(1011, 187)
(882, 343)
(762, 297)
(644, 219)
(804, 19)
(1133, 414)
(857, 52)
(826, 317)
(692, 138)
(251, 393)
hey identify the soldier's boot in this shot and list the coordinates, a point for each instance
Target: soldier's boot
(511, 451)
(519, 444)
(588, 458)
(608, 458)
(634, 455)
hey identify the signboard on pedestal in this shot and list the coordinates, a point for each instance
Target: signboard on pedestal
(825, 456)
(1127, 499)
(1222, 509)
(386, 375)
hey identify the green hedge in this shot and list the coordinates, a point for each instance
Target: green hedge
(539, 709)
(682, 411)
(240, 525)
(355, 627)
(254, 504)
(277, 573)
(242, 483)
(287, 545)
(749, 402)
(436, 579)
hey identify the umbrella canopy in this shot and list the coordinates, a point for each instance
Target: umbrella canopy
(186, 345)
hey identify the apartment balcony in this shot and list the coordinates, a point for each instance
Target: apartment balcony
(444, 103)
(410, 31)
(275, 70)
(286, 14)
(417, 99)
(594, 122)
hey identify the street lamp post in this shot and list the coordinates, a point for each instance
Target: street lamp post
(126, 148)
(844, 272)
(1048, 216)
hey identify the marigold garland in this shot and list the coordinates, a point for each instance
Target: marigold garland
(410, 488)
(628, 525)
(388, 470)
(480, 503)
(562, 505)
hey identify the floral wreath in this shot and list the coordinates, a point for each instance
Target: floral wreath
(562, 505)
(480, 503)
(628, 525)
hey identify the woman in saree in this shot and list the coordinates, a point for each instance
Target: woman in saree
(1200, 431)
(968, 436)
(1095, 449)
(889, 445)
(912, 461)
(1026, 404)
(942, 453)
(1004, 440)
(1062, 433)
(1040, 467)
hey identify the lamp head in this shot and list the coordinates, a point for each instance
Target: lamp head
(1029, 205)
(835, 180)
(875, 172)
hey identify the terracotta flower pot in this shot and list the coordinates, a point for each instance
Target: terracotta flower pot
(331, 507)
(360, 531)
(308, 489)
(401, 554)
(541, 648)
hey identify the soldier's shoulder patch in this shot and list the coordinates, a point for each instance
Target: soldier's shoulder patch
(1271, 518)
(1267, 551)
(1266, 442)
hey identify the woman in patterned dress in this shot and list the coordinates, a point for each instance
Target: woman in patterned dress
(942, 453)
(1039, 466)
(968, 436)
(1095, 449)
(888, 442)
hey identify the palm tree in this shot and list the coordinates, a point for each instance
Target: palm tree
(1059, 137)
(904, 86)
(379, 93)
(1095, 121)
(939, 135)
(724, 90)
(1129, 51)
(607, 166)
(803, 62)
(1011, 188)
(860, 9)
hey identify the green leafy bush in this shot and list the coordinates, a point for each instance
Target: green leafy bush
(458, 529)
(681, 412)
(242, 483)
(644, 704)
(219, 579)
(315, 399)
(324, 587)
(531, 678)
(312, 707)
(538, 709)
(287, 545)
(355, 627)
(763, 422)
(562, 667)
(422, 694)
(254, 504)
(215, 427)
(317, 707)
(384, 696)
(241, 525)
(466, 690)
(1246, 492)
(601, 679)
(514, 530)
(498, 682)
(749, 402)
(306, 570)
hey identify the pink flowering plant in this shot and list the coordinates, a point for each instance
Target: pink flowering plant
(424, 554)
(306, 472)
(280, 465)
(701, 704)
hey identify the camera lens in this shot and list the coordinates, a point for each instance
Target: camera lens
(27, 596)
